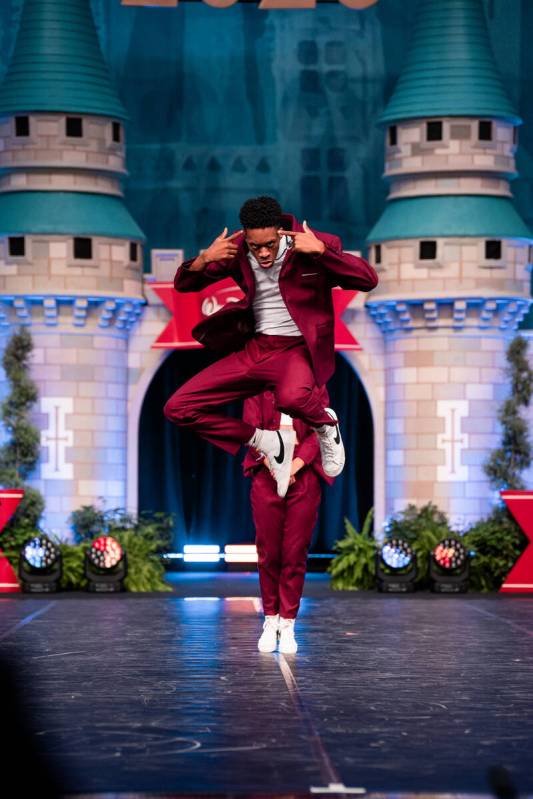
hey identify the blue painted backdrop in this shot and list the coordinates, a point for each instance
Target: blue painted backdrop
(228, 103)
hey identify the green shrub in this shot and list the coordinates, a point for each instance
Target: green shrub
(423, 527)
(20, 454)
(73, 577)
(144, 538)
(497, 542)
(355, 566)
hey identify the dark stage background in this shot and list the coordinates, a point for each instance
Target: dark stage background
(204, 486)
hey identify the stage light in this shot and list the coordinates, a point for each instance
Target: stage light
(40, 565)
(449, 567)
(396, 567)
(106, 565)
(240, 553)
(201, 553)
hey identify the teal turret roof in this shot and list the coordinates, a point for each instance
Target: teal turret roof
(450, 69)
(449, 215)
(57, 64)
(67, 214)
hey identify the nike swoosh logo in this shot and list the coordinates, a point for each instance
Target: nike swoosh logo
(281, 455)
(337, 438)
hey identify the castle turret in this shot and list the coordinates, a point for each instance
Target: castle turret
(70, 253)
(453, 256)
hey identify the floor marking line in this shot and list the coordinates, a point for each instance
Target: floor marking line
(327, 768)
(505, 621)
(26, 620)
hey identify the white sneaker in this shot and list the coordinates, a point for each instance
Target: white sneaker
(331, 446)
(269, 639)
(278, 446)
(287, 641)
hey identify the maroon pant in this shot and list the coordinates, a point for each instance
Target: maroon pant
(283, 528)
(279, 363)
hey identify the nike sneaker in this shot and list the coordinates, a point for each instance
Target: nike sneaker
(269, 639)
(278, 448)
(287, 642)
(331, 446)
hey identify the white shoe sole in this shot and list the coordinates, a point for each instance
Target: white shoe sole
(288, 650)
(266, 650)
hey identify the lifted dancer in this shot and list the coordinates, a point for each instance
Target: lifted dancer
(283, 526)
(280, 335)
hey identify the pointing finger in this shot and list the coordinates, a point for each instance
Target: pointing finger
(306, 226)
(234, 235)
(224, 233)
(292, 232)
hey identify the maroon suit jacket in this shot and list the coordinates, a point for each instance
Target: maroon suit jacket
(305, 283)
(261, 411)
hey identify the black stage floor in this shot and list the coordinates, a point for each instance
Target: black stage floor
(167, 693)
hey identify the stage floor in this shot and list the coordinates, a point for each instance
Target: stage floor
(167, 693)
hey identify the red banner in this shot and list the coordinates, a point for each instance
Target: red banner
(520, 578)
(9, 500)
(190, 308)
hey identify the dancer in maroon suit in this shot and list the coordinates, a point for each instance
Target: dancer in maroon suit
(283, 526)
(280, 335)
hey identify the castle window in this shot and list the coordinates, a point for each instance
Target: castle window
(16, 246)
(393, 135)
(134, 251)
(309, 81)
(493, 250)
(117, 132)
(485, 130)
(310, 159)
(427, 250)
(515, 135)
(307, 52)
(337, 159)
(311, 197)
(335, 52)
(22, 126)
(83, 248)
(377, 254)
(434, 131)
(74, 127)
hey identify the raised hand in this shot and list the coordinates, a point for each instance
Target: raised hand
(223, 247)
(305, 242)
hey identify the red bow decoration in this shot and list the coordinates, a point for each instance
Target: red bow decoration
(9, 501)
(520, 578)
(190, 308)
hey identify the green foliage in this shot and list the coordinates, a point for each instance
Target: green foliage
(12, 540)
(355, 566)
(145, 569)
(513, 456)
(88, 522)
(423, 527)
(143, 538)
(497, 542)
(73, 577)
(19, 455)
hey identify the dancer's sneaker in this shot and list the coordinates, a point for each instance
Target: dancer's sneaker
(331, 446)
(287, 641)
(269, 639)
(278, 447)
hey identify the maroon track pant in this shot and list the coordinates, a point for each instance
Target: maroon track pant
(283, 528)
(279, 363)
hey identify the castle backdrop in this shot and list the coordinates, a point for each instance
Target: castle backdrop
(206, 107)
